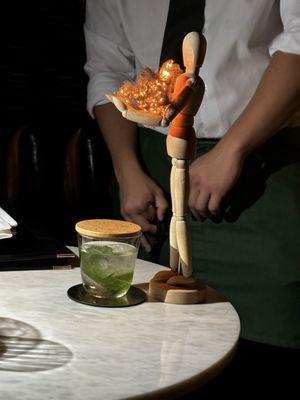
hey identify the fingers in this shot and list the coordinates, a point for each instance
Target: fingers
(145, 224)
(204, 204)
(145, 244)
(161, 205)
(144, 207)
(196, 215)
(199, 205)
(143, 218)
(214, 204)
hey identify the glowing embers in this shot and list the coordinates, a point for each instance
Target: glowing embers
(152, 91)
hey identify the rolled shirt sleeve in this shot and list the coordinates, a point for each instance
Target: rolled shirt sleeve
(110, 59)
(289, 39)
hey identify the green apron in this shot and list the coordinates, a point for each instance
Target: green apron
(252, 255)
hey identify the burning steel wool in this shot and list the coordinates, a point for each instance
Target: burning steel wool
(152, 91)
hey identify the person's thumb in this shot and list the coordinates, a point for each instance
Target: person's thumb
(161, 205)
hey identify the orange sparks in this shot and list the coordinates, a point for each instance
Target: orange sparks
(152, 91)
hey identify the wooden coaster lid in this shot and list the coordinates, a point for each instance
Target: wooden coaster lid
(108, 228)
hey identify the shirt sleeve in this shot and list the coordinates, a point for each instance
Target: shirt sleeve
(110, 59)
(289, 39)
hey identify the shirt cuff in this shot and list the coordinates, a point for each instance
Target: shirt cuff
(100, 85)
(288, 42)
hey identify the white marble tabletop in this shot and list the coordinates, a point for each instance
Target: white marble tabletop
(54, 348)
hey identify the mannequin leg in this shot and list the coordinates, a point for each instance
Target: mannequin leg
(180, 184)
(174, 254)
(168, 286)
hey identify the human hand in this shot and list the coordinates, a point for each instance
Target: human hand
(211, 178)
(142, 201)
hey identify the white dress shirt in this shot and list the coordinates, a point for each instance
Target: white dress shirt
(125, 36)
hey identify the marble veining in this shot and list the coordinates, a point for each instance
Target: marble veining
(54, 348)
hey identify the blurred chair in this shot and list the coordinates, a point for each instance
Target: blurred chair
(54, 180)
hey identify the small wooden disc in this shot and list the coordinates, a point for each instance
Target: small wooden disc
(182, 291)
(108, 228)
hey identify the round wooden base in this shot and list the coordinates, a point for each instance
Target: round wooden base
(169, 287)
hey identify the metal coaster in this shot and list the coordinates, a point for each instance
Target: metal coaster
(134, 296)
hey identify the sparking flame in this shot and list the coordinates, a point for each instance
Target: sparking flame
(164, 75)
(152, 91)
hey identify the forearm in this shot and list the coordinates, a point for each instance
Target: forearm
(277, 97)
(120, 136)
(141, 200)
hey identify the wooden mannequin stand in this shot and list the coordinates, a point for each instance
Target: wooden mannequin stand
(171, 286)
(177, 286)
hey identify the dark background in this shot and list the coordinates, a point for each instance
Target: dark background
(54, 166)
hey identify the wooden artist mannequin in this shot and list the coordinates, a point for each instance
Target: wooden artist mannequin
(176, 285)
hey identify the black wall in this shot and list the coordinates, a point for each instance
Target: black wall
(54, 166)
(42, 58)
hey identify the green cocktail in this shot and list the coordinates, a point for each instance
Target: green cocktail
(107, 268)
